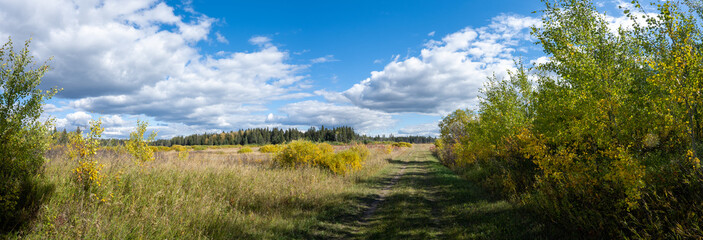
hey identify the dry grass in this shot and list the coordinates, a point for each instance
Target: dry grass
(215, 193)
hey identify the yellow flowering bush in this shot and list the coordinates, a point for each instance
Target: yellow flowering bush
(138, 147)
(245, 150)
(402, 144)
(82, 150)
(182, 151)
(271, 148)
(306, 153)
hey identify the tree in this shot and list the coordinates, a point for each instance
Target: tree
(138, 147)
(23, 136)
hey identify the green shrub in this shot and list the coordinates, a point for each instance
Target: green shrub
(245, 150)
(23, 137)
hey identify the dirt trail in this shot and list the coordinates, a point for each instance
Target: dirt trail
(382, 196)
(425, 200)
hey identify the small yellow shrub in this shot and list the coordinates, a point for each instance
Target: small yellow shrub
(402, 144)
(137, 146)
(182, 151)
(178, 148)
(199, 148)
(160, 148)
(245, 150)
(82, 150)
(271, 148)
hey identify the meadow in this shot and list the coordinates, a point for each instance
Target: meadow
(213, 193)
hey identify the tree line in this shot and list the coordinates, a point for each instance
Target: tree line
(261, 136)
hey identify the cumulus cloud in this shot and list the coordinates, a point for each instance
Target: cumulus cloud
(140, 58)
(80, 119)
(104, 47)
(315, 113)
(447, 74)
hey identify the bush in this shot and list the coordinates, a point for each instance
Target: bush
(607, 142)
(271, 148)
(402, 144)
(348, 160)
(178, 148)
(182, 151)
(160, 148)
(299, 153)
(199, 147)
(82, 150)
(138, 147)
(245, 150)
(23, 138)
(305, 153)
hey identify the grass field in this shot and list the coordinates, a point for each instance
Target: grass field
(213, 194)
(222, 194)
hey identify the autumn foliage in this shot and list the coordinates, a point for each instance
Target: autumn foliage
(605, 137)
(306, 153)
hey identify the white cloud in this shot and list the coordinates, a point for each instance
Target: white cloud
(315, 113)
(113, 120)
(328, 58)
(540, 60)
(80, 119)
(221, 38)
(425, 129)
(448, 73)
(104, 47)
(260, 40)
(140, 57)
(50, 108)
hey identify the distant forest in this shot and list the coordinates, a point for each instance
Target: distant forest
(260, 136)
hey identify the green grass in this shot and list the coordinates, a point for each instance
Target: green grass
(430, 201)
(243, 196)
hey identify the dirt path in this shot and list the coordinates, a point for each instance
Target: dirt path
(425, 200)
(382, 196)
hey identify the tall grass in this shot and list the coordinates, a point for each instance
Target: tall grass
(207, 195)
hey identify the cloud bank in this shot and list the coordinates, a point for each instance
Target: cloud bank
(447, 74)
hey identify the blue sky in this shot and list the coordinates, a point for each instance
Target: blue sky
(382, 67)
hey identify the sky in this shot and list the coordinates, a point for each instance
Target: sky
(382, 67)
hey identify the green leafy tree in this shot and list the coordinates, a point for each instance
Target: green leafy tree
(23, 137)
